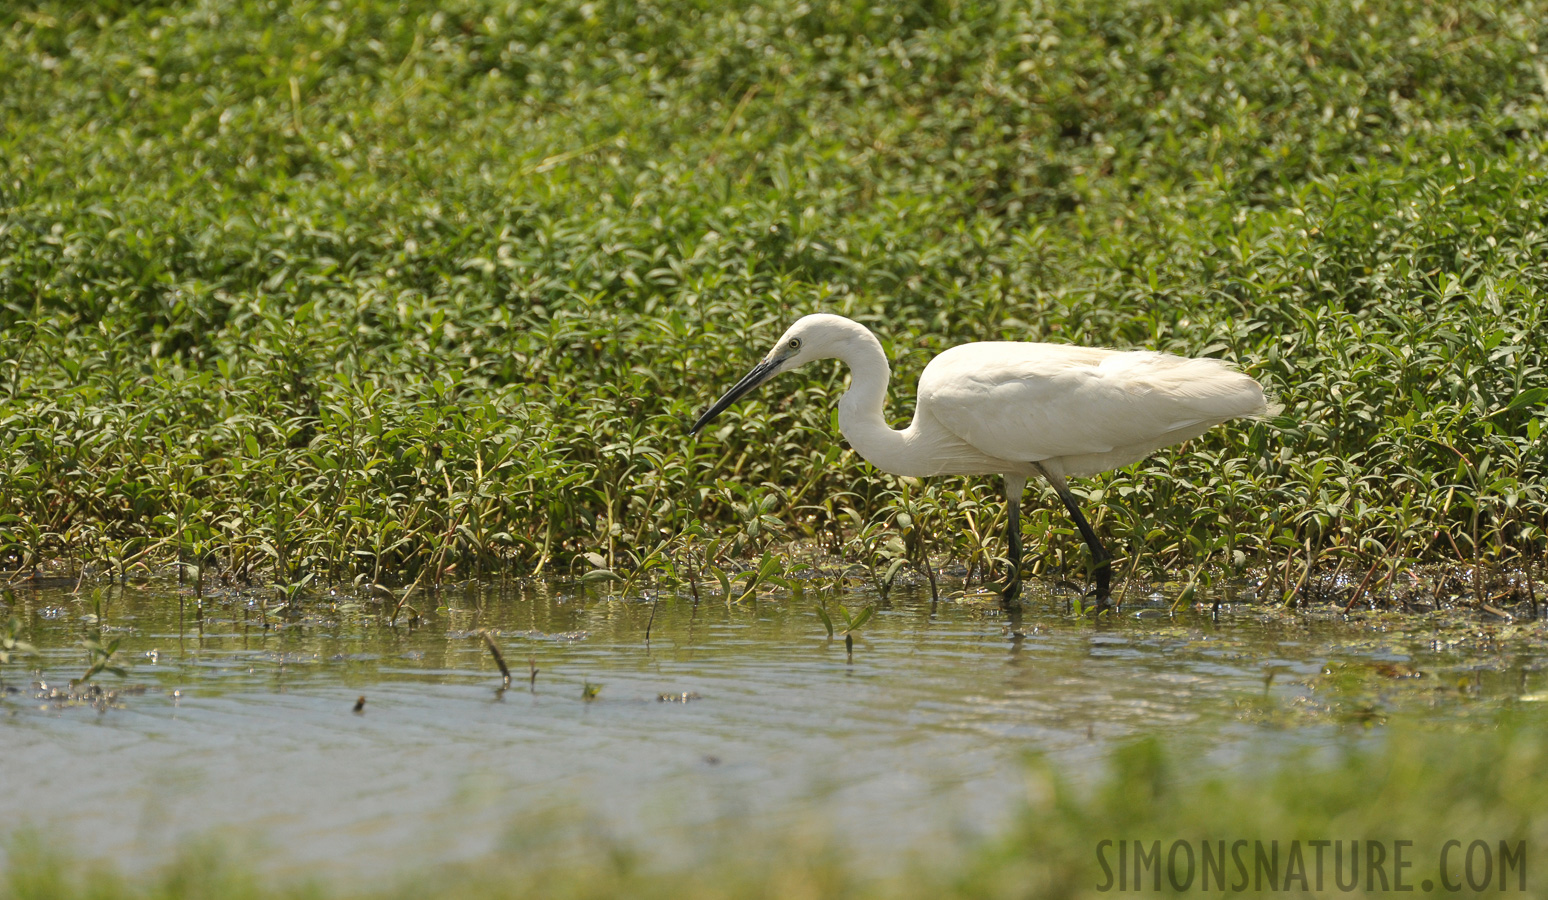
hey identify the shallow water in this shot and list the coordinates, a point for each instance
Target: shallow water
(729, 715)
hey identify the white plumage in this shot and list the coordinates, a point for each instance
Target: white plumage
(1083, 410)
(1017, 409)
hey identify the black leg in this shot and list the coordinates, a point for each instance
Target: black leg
(1099, 555)
(1014, 486)
(1013, 552)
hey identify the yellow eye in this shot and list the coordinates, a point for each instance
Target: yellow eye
(795, 343)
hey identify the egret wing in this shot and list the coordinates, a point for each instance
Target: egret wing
(1031, 402)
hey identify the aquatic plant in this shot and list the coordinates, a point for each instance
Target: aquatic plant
(10, 643)
(420, 292)
(100, 659)
(853, 622)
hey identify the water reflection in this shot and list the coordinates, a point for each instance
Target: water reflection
(223, 724)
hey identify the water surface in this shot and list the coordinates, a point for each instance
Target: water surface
(729, 715)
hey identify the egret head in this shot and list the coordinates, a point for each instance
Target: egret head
(811, 337)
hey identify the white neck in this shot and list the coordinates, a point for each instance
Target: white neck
(860, 409)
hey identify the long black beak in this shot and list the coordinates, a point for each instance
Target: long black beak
(761, 372)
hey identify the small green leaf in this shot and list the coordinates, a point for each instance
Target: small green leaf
(1528, 397)
(827, 621)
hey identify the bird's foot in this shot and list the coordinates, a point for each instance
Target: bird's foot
(1097, 601)
(1010, 594)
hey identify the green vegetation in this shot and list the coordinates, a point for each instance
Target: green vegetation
(1425, 788)
(10, 644)
(416, 290)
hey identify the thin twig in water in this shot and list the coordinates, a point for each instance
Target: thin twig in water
(403, 601)
(499, 658)
(1128, 579)
(1284, 575)
(935, 594)
(1361, 589)
(1440, 587)
(1291, 595)
(1531, 590)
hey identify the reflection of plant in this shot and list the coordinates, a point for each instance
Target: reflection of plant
(852, 623)
(10, 643)
(101, 659)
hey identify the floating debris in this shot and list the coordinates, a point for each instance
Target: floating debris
(93, 695)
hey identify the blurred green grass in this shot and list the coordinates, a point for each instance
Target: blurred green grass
(369, 290)
(1414, 785)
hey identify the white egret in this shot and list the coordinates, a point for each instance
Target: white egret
(1017, 409)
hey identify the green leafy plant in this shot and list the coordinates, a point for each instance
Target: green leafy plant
(853, 622)
(9, 642)
(441, 342)
(100, 658)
